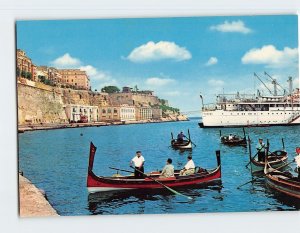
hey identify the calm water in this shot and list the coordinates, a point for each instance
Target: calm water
(56, 161)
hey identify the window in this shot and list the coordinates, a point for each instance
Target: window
(103, 111)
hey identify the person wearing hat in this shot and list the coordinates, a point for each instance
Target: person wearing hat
(189, 168)
(260, 150)
(168, 170)
(138, 162)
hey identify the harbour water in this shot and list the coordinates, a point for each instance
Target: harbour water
(56, 161)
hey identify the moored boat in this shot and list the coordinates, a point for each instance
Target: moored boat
(282, 182)
(103, 183)
(183, 144)
(233, 140)
(275, 159)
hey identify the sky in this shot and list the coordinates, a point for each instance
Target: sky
(177, 58)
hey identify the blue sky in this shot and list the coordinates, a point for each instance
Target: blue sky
(178, 58)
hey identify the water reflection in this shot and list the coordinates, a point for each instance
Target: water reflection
(107, 202)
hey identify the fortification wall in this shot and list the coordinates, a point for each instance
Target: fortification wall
(37, 105)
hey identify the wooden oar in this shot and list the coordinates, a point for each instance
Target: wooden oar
(171, 190)
(265, 174)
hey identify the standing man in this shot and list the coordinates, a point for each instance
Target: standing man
(261, 150)
(138, 162)
(168, 170)
(180, 137)
(189, 168)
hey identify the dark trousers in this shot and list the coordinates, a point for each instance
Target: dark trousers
(261, 156)
(299, 173)
(138, 174)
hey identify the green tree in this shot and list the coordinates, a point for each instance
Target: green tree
(18, 72)
(28, 75)
(23, 74)
(110, 89)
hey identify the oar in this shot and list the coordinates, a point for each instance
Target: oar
(171, 190)
(265, 174)
(189, 138)
(283, 147)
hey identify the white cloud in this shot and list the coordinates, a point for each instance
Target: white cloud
(158, 51)
(158, 82)
(270, 56)
(211, 61)
(95, 74)
(216, 83)
(234, 26)
(66, 61)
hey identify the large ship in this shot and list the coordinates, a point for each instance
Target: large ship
(238, 110)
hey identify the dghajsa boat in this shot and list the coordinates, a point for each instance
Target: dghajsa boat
(151, 181)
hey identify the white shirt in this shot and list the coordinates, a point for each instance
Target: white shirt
(189, 165)
(297, 159)
(138, 161)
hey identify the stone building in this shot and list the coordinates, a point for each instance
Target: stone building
(25, 66)
(127, 113)
(109, 113)
(144, 113)
(76, 78)
(80, 113)
(156, 113)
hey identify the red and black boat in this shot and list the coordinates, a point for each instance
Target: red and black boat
(151, 181)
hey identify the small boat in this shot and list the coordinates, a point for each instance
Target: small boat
(103, 183)
(182, 145)
(282, 182)
(234, 141)
(276, 159)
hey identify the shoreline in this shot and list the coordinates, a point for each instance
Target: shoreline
(33, 201)
(53, 126)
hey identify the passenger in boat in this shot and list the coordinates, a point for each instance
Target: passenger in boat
(230, 137)
(168, 170)
(189, 168)
(138, 162)
(297, 160)
(260, 150)
(180, 137)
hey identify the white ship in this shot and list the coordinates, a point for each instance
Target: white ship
(236, 110)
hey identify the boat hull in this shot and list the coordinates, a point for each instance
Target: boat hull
(185, 145)
(259, 166)
(102, 184)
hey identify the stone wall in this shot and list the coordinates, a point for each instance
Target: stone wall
(37, 106)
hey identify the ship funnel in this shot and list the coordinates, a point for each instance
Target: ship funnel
(290, 81)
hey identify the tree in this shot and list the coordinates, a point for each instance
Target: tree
(18, 72)
(110, 89)
(28, 75)
(23, 74)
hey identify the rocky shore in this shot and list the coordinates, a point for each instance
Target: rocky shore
(32, 201)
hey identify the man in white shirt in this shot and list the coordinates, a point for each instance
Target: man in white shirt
(138, 162)
(189, 168)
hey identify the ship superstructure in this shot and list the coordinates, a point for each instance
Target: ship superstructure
(235, 110)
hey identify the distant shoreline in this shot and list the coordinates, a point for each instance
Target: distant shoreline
(53, 126)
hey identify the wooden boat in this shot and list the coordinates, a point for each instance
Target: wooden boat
(282, 182)
(182, 145)
(276, 158)
(235, 141)
(101, 183)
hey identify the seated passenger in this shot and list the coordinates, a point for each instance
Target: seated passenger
(168, 170)
(189, 168)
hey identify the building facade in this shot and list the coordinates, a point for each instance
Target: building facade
(82, 113)
(25, 66)
(144, 113)
(75, 78)
(127, 113)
